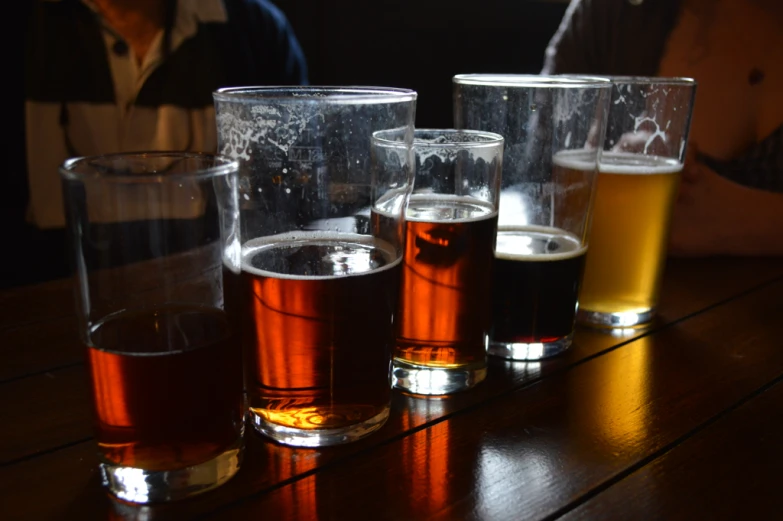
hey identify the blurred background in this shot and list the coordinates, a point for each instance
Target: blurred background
(421, 44)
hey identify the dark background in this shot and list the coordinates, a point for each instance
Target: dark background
(421, 44)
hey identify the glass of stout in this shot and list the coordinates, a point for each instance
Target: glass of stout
(554, 129)
(318, 283)
(450, 227)
(149, 233)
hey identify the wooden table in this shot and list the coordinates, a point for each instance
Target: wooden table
(683, 420)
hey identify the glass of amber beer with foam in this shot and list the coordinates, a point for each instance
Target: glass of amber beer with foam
(644, 149)
(450, 228)
(553, 128)
(149, 233)
(318, 282)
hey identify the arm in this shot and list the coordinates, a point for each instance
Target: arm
(291, 62)
(576, 46)
(259, 45)
(617, 37)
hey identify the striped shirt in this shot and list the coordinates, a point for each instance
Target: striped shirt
(86, 95)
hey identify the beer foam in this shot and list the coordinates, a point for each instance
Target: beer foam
(617, 162)
(524, 243)
(316, 238)
(576, 159)
(430, 204)
(637, 164)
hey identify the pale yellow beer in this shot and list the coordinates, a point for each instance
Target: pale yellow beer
(627, 243)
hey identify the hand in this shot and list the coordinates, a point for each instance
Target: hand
(715, 216)
(703, 212)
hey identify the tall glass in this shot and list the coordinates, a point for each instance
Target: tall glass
(644, 149)
(553, 128)
(451, 222)
(319, 283)
(148, 235)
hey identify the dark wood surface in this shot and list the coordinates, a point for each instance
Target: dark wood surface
(681, 420)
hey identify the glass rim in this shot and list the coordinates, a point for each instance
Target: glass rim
(653, 80)
(332, 94)
(488, 139)
(562, 81)
(223, 166)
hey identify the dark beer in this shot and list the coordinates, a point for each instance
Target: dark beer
(536, 282)
(318, 329)
(167, 386)
(446, 280)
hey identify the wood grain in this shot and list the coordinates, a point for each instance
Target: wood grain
(43, 325)
(44, 412)
(730, 470)
(528, 453)
(697, 286)
(521, 453)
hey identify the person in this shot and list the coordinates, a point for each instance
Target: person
(107, 76)
(730, 200)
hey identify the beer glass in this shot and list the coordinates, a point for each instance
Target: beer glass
(148, 233)
(319, 284)
(450, 228)
(553, 128)
(644, 149)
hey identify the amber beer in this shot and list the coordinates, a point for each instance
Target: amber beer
(633, 206)
(446, 280)
(167, 387)
(536, 281)
(318, 330)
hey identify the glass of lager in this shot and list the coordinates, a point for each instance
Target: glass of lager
(450, 227)
(553, 127)
(319, 283)
(148, 233)
(644, 149)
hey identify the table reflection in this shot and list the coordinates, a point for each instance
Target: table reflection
(612, 402)
(299, 500)
(530, 458)
(425, 457)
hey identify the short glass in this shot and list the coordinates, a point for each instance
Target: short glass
(553, 128)
(451, 222)
(148, 234)
(644, 149)
(318, 282)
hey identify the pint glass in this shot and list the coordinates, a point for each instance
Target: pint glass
(148, 235)
(553, 127)
(644, 149)
(318, 283)
(450, 228)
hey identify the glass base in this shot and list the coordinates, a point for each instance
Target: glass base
(529, 351)
(422, 379)
(318, 437)
(158, 486)
(637, 318)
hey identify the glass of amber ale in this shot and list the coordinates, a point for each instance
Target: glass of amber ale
(450, 227)
(318, 281)
(553, 128)
(149, 235)
(644, 149)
